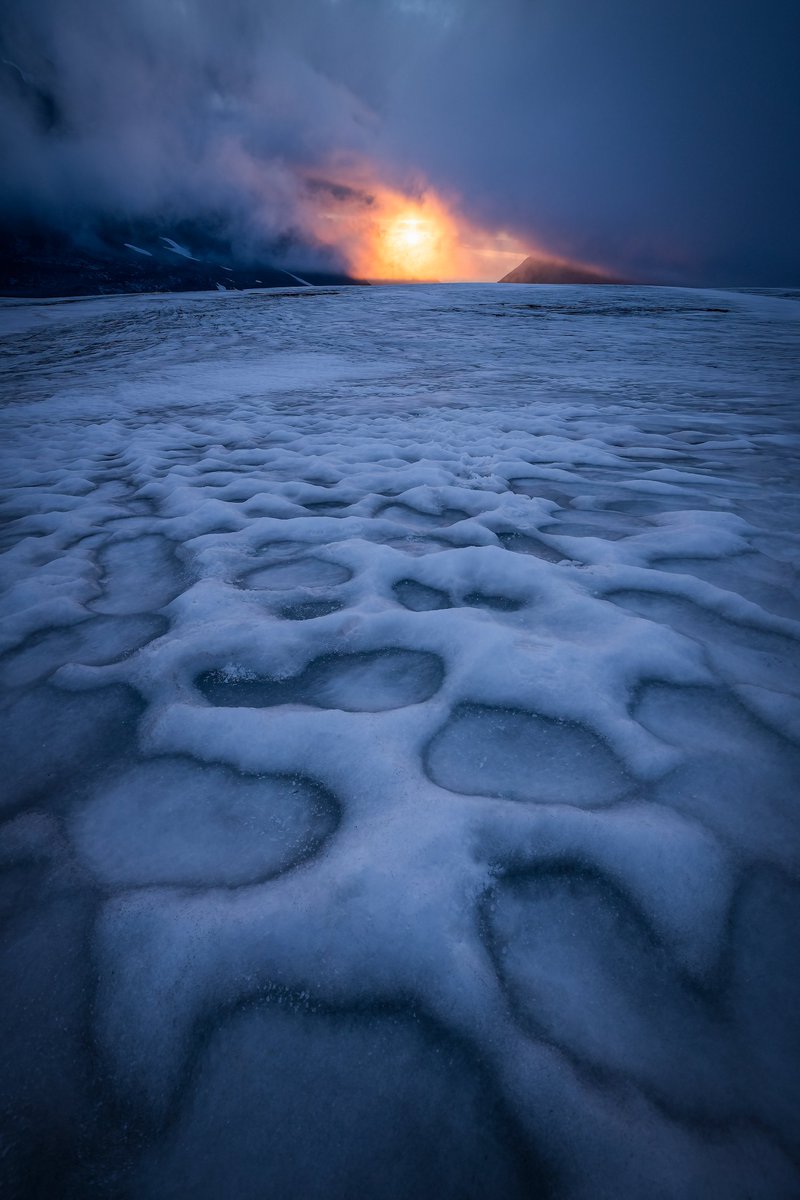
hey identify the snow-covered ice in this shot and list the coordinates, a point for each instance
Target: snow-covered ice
(401, 713)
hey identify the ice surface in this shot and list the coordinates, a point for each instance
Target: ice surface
(305, 572)
(174, 821)
(522, 756)
(401, 745)
(367, 682)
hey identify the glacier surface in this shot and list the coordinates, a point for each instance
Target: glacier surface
(401, 723)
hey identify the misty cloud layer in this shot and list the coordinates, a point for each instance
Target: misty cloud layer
(658, 140)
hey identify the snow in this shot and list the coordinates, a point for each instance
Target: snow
(176, 248)
(402, 719)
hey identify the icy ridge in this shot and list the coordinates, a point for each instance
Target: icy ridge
(446, 669)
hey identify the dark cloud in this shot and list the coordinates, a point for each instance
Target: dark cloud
(656, 139)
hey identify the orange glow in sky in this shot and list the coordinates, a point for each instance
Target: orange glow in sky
(386, 235)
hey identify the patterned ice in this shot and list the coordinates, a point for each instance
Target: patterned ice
(401, 746)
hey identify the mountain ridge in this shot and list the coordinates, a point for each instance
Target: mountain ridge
(543, 269)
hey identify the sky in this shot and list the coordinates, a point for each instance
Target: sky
(657, 139)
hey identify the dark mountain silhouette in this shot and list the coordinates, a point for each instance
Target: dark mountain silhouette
(149, 256)
(557, 270)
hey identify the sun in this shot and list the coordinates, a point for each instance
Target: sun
(411, 243)
(388, 235)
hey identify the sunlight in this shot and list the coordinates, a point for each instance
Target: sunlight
(411, 242)
(387, 235)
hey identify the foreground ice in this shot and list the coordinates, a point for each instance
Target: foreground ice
(401, 711)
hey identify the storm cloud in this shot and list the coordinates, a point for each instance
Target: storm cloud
(657, 140)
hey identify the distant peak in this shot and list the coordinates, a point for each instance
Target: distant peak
(538, 269)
